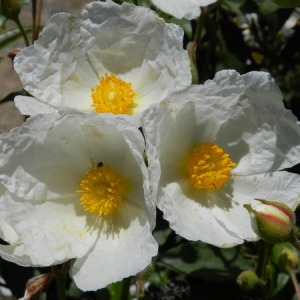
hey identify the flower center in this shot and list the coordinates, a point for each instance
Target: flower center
(209, 166)
(113, 95)
(102, 190)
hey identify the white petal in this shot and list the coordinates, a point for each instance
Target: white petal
(15, 254)
(52, 143)
(189, 9)
(194, 217)
(72, 53)
(243, 114)
(119, 254)
(42, 162)
(246, 117)
(51, 232)
(30, 106)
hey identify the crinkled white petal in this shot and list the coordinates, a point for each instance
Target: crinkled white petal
(30, 106)
(15, 254)
(6, 231)
(42, 162)
(132, 42)
(40, 139)
(188, 9)
(50, 232)
(193, 216)
(246, 117)
(117, 255)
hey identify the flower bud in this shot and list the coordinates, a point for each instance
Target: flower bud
(273, 222)
(248, 280)
(288, 260)
(10, 9)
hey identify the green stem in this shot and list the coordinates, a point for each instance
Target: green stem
(295, 283)
(125, 288)
(60, 279)
(33, 19)
(262, 267)
(296, 232)
(38, 20)
(193, 51)
(199, 27)
(201, 21)
(294, 239)
(22, 31)
(264, 254)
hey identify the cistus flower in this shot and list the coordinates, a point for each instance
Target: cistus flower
(213, 148)
(111, 59)
(188, 9)
(75, 185)
(272, 221)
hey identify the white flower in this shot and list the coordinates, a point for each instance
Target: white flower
(75, 186)
(188, 9)
(128, 55)
(213, 148)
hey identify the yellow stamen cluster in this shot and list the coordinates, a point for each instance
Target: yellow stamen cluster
(113, 95)
(102, 190)
(209, 166)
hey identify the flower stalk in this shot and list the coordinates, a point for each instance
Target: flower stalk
(11, 10)
(36, 18)
(21, 28)
(264, 255)
(60, 279)
(295, 284)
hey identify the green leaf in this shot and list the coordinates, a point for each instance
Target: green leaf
(267, 7)
(116, 289)
(211, 263)
(234, 6)
(158, 277)
(287, 3)
(282, 280)
(161, 236)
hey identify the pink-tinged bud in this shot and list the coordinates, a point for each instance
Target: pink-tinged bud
(273, 222)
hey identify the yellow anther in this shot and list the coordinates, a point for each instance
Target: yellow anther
(102, 190)
(113, 95)
(209, 166)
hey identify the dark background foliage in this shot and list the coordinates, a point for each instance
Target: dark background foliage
(244, 35)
